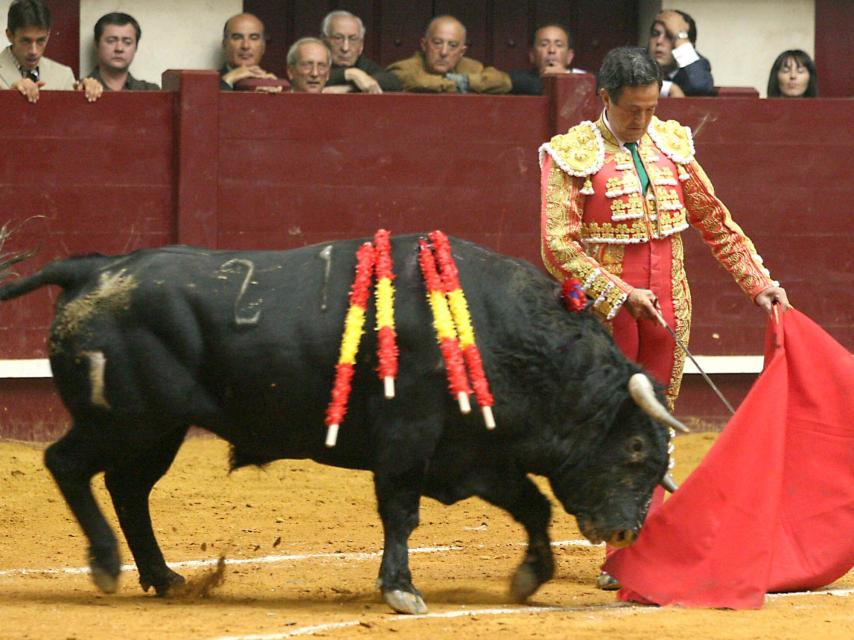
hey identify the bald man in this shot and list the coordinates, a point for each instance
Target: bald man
(441, 66)
(243, 45)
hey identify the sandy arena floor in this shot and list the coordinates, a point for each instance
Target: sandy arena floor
(302, 546)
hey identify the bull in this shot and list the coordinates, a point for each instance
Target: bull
(244, 344)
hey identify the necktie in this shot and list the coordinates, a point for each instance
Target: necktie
(644, 178)
(32, 74)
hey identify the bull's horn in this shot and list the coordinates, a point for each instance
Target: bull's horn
(669, 483)
(640, 388)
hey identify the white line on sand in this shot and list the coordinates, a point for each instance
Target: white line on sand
(460, 613)
(271, 559)
(331, 626)
(509, 611)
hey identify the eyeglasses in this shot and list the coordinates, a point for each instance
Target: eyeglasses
(339, 38)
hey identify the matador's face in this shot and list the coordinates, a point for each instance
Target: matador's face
(630, 115)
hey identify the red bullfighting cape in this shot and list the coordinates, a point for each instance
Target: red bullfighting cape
(771, 508)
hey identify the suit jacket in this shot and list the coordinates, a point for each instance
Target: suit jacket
(386, 79)
(696, 78)
(414, 76)
(55, 76)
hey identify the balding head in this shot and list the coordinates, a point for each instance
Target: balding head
(243, 40)
(443, 44)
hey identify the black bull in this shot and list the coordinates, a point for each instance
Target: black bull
(245, 344)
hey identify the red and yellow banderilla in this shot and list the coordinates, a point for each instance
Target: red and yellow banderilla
(384, 294)
(454, 330)
(462, 320)
(353, 328)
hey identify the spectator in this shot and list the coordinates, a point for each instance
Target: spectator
(244, 44)
(309, 61)
(793, 76)
(551, 53)
(344, 34)
(671, 42)
(116, 39)
(440, 66)
(24, 67)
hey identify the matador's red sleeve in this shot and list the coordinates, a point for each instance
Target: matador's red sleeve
(729, 244)
(561, 209)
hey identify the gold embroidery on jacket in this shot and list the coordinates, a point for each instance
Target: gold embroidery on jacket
(627, 208)
(682, 314)
(659, 175)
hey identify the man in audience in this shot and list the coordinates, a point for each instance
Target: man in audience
(551, 53)
(244, 44)
(344, 34)
(671, 42)
(441, 67)
(23, 65)
(309, 61)
(116, 39)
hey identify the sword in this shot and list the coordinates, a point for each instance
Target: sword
(684, 348)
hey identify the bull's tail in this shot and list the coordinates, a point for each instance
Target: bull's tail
(63, 273)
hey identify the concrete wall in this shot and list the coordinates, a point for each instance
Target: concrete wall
(742, 38)
(175, 35)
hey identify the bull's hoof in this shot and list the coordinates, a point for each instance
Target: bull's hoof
(525, 583)
(105, 568)
(104, 580)
(163, 585)
(405, 602)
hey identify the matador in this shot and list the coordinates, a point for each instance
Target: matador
(616, 194)
(614, 232)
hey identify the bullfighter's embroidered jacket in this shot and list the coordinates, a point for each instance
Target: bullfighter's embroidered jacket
(593, 210)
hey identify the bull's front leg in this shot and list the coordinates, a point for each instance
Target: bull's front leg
(519, 496)
(398, 498)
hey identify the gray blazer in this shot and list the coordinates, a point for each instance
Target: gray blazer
(54, 75)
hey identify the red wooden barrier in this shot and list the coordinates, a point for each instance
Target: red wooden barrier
(240, 170)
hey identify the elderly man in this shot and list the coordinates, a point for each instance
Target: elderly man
(116, 39)
(23, 65)
(309, 61)
(617, 193)
(671, 42)
(243, 44)
(441, 67)
(344, 34)
(550, 53)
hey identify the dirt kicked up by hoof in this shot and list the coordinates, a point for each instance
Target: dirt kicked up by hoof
(405, 602)
(202, 585)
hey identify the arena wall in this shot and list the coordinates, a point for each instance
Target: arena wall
(235, 170)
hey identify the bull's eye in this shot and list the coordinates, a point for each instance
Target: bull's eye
(636, 447)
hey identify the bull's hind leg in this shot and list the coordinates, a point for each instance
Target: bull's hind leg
(129, 487)
(73, 461)
(398, 499)
(520, 497)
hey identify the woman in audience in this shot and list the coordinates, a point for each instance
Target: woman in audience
(793, 76)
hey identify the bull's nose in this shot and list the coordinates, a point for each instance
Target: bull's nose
(622, 538)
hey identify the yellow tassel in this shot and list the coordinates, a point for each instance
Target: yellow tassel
(385, 303)
(460, 311)
(587, 189)
(353, 327)
(442, 316)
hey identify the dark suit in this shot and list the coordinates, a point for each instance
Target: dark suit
(386, 79)
(696, 78)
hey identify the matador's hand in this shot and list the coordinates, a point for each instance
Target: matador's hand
(770, 296)
(643, 304)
